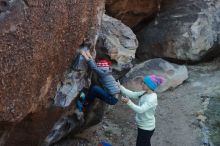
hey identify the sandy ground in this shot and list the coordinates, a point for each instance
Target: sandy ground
(175, 124)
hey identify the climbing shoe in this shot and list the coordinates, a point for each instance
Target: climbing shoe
(79, 105)
(82, 97)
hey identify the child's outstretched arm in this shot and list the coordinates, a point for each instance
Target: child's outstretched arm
(129, 93)
(139, 108)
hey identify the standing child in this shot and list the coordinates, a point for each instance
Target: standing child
(145, 110)
(110, 89)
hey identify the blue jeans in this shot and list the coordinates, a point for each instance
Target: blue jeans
(96, 91)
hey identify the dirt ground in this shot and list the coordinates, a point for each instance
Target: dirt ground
(177, 122)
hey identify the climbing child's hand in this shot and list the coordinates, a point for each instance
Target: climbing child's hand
(88, 54)
(83, 53)
(124, 99)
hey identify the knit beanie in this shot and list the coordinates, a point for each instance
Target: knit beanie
(103, 64)
(153, 81)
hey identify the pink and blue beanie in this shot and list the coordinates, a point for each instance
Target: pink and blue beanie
(153, 81)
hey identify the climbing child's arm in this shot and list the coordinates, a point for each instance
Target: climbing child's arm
(94, 67)
(91, 62)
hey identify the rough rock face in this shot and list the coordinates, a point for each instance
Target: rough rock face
(118, 42)
(71, 125)
(184, 30)
(173, 74)
(38, 39)
(132, 12)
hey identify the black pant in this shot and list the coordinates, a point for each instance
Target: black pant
(143, 138)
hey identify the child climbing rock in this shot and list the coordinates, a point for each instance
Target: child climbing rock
(145, 110)
(110, 89)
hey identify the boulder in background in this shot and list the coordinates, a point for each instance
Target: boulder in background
(174, 74)
(118, 41)
(184, 30)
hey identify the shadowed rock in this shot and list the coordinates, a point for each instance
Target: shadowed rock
(184, 30)
(70, 124)
(132, 12)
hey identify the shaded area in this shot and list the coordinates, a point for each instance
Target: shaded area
(213, 114)
(32, 128)
(132, 12)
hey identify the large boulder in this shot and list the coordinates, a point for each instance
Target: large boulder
(38, 42)
(117, 41)
(132, 12)
(173, 74)
(184, 30)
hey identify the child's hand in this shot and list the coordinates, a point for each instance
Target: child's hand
(124, 99)
(88, 54)
(82, 52)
